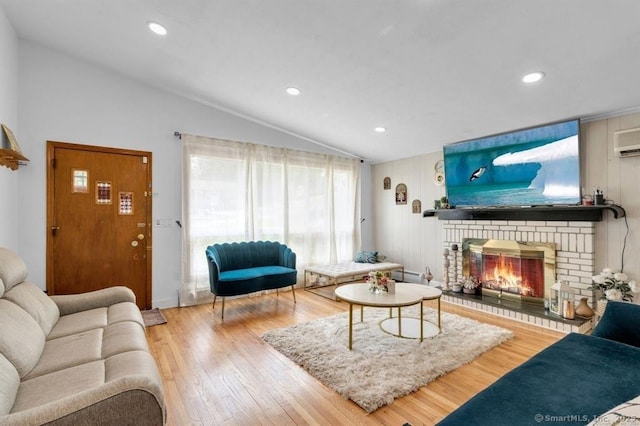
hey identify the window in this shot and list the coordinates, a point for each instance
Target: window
(237, 191)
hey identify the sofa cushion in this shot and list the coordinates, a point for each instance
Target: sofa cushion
(37, 304)
(87, 380)
(132, 363)
(79, 322)
(244, 281)
(10, 382)
(21, 339)
(1, 288)
(123, 337)
(59, 384)
(13, 270)
(252, 273)
(89, 346)
(96, 318)
(69, 351)
(125, 311)
(619, 323)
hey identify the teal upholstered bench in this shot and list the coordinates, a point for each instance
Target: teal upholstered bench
(246, 267)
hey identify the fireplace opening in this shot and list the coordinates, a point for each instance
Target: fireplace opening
(518, 270)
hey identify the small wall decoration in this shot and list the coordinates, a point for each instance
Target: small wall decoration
(416, 206)
(10, 152)
(438, 172)
(387, 183)
(126, 203)
(103, 192)
(80, 180)
(401, 193)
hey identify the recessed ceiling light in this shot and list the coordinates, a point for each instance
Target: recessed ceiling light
(293, 91)
(380, 129)
(157, 28)
(533, 77)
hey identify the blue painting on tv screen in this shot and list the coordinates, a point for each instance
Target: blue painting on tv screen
(529, 167)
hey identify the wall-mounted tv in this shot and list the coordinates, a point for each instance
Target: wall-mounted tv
(528, 167)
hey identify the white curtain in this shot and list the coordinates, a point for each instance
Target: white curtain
(235, 191)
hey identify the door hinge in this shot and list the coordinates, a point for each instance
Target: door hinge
(145, 160)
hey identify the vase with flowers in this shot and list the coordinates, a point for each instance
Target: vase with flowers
(613, 285)
(378, 282)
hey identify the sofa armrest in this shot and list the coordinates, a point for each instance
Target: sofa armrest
(620, 323)
(214, 272)
(129, 400)
(72, 303)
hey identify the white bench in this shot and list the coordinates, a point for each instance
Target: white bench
(317, 277)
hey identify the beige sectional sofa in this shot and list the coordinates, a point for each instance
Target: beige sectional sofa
(73, 360)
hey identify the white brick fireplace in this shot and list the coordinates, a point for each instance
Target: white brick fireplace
(575, 258)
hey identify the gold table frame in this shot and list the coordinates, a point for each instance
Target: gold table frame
(404, 295)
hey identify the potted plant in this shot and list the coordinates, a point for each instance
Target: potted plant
(469, 285)
(613, 286)
(444, 203)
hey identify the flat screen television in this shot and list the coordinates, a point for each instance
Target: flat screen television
(538, 166)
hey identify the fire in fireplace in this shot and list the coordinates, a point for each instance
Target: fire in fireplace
(512, 269)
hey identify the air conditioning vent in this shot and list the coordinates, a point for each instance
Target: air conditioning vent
(626, 143)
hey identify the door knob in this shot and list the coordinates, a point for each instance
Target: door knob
(141, 236)
(134, 243)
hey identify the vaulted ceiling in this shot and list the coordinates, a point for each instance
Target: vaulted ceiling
(431, 72)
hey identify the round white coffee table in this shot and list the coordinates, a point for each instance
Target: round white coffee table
(359, 294)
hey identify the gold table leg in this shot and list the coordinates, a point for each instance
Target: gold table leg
(350, 325)
(421, 322)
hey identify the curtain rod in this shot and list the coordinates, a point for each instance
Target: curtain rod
(179, 136)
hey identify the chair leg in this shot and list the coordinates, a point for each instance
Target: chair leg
(293, 291)
(215, 296)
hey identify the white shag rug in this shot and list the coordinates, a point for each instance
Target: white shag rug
(382, 367)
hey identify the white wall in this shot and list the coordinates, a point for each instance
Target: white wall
(415, 241)
(620, 180)
(66, 100)
(9, 116)
(401, 235)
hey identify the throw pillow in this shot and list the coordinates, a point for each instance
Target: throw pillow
(366, 256)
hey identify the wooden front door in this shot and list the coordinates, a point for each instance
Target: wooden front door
(98, 220)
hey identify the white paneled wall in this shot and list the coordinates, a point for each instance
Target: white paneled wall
(403, 236)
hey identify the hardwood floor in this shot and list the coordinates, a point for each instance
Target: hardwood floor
(222, 373)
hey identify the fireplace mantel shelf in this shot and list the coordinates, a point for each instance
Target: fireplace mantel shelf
(550, 213)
